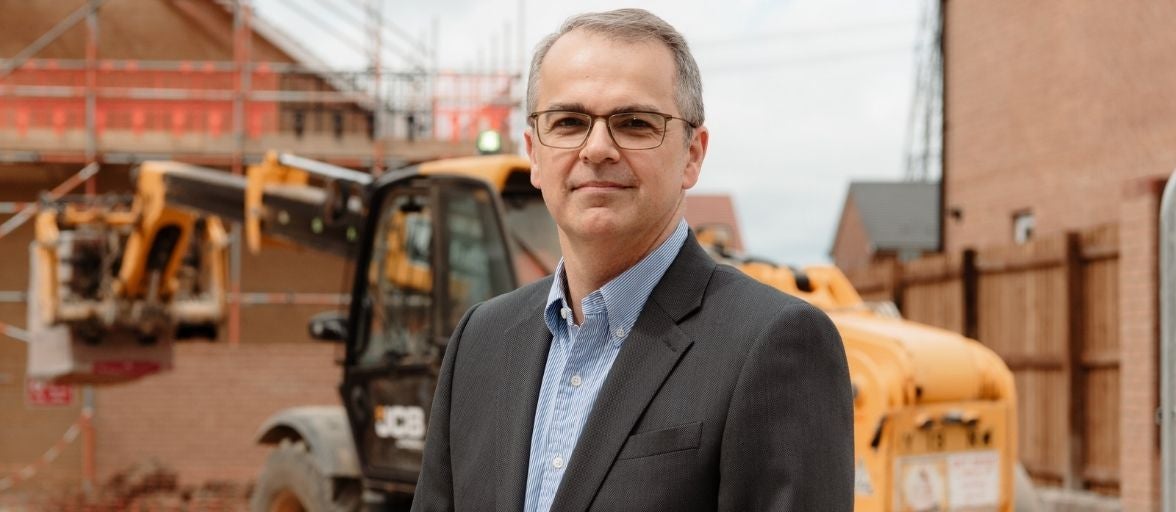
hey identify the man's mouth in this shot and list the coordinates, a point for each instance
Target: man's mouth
(600, 185)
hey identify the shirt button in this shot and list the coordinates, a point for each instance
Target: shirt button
(558, 462)
(576, 381)
(563, 313)
(620, 333)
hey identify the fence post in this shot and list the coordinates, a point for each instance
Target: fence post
(1073, 477)
(971, 279)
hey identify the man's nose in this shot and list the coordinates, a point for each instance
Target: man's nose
(599, 147)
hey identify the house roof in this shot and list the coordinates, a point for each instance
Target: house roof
(898, 215)
(714, 209)
(134, 29)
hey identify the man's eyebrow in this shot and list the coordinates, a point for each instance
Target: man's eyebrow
(572, 107)
(579, 107)
(640, 107)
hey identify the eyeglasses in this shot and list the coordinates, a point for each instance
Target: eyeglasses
(564, 129)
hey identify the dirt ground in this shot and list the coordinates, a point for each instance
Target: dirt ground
(149, 487)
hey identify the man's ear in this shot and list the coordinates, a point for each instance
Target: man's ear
(696, 152)
(529, 142)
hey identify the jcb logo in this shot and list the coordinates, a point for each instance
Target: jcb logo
(400, 422)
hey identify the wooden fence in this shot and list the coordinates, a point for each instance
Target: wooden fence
(1049, 308)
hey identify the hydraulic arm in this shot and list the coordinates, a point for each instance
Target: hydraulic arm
(155, 264)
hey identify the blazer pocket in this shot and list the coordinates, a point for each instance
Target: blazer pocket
(656, 442)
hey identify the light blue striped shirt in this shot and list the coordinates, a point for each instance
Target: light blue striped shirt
(580, 358)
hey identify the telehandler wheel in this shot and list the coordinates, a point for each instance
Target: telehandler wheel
(291, 482)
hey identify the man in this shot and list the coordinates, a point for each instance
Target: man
(642, 376)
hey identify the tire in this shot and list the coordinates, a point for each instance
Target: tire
(291, 482)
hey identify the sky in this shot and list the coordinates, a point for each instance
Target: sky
(802, 96)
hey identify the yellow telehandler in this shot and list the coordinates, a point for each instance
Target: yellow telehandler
(116, 281)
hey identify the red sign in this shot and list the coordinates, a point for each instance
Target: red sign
(45, 394)
(131, 369)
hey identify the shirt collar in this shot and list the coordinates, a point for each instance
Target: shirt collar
(625, 295)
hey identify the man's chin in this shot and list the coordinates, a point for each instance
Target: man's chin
(599, 223)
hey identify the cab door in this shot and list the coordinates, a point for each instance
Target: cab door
(433, 247)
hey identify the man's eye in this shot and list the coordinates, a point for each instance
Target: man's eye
(634, 123)
(567, 122)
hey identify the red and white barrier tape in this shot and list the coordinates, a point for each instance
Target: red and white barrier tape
(14, 332)
(10, 207)
(29, 471)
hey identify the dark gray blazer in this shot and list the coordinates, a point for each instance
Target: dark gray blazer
(727, 395)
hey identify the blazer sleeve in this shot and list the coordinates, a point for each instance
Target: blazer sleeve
(788, 437)
(434, 489)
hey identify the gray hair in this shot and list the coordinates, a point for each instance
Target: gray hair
(632, 25)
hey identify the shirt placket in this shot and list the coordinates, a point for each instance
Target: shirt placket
(581, 351)
(557, 434)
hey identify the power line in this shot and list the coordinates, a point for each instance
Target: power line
(392, 27)
(797, 34)
(924, 137)
(351, 19)
(768, 64)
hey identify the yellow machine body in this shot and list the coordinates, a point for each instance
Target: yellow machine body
(934, 412)
(142, 266)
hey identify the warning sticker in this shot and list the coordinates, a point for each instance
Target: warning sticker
(949, 481)
(44, 394)
(919, 482)
(974, 479)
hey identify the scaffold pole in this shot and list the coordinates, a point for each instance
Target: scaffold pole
(91, 85)
(49, 36)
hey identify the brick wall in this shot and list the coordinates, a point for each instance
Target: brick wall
(1139, 342)
(1068, 110)
(1052, 106)
(27, 431)
(851, 247)
(201, 419)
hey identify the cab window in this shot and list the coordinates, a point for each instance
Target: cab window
(478, 263)
(400, 281)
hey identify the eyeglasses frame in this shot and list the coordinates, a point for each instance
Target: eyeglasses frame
(533, 117)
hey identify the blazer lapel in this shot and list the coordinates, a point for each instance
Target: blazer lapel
(526, 349)
(647, 357)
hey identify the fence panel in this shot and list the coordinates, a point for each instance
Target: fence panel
(932, 291)
(1023, 315)
(878, 281)
(1100, 358)
(1050, 309)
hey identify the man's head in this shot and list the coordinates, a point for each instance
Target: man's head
(610, 183)
(632, 25)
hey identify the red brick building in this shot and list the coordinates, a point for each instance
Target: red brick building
(1061, 116)
(162, 75)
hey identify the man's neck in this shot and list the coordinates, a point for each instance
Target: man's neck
(590, 264)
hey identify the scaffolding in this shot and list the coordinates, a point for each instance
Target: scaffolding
(91, 110)
(227, 113)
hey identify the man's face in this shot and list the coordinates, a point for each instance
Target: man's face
(600, 190)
